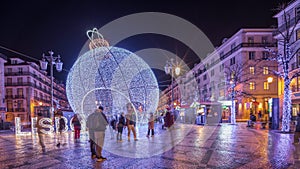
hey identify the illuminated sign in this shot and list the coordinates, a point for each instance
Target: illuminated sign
(45, 123)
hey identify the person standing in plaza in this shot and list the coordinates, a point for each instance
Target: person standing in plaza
(151, 125)
(61, 128)
(131, 121)
(91, 130)
(100, 133)
(40, 133)
(121, 125)
(77, 128)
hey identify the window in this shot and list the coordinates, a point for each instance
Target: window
(221, 93)
(252, 85)
(9, 92)
(297, 34)
(20, 80)
(20, 104)
(250, 39)
(232, 75)
(20, 70)
(9, 105)
(20, 91)
(266, 86)
(265, 55)
(221, 55)
(297, 13)
(204, 77)
(212, 72)
(232, 46)
(9, 80)
(264, 39)
(252, 55)
(232, 61)
(9, 70)
(222, 67)
(35, 93)
(252, 70)
(266, 70)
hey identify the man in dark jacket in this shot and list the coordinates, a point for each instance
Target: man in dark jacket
(98, 124)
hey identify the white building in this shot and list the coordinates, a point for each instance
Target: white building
(292, 13)
(2, 88)
(208, 82)
(28, 90)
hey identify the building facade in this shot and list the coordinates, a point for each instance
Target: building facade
(28, 90)
(3, 59)
(242, 55)
(290, 16)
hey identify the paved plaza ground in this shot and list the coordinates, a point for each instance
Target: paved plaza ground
(183, 146)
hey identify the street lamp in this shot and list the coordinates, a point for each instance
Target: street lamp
(53, 60)
(170, 68)
(270, 79)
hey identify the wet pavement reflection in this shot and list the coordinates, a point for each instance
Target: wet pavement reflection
(183, 146)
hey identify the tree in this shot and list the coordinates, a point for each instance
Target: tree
(283, 57)
(237, 76)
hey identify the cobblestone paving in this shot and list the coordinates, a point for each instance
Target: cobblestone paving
(184, 146)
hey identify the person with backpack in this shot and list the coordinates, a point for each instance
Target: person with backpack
(77, 127)
(97, 122)
(121, 125)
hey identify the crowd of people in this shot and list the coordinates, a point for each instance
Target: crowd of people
(97, 123)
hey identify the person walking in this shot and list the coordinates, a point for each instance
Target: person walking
(40, 133)
(121, 125)
(98, 124)
(61, 128)
(112, 126)
(91, 130)
(77, 128)
(151, 125)
(131, 121)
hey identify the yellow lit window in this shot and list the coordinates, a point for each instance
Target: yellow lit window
(252, 70)
(266, 86)
(232, 75)
(252, 85)
(266, 70)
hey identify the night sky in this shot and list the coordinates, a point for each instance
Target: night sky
(33, 28)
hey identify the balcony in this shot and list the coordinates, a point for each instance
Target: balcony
(242, 45)
(19, 110)
(19, 97)
(282, 28)
(9, 96)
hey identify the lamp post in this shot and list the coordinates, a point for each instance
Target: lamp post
(171, 68)
(53, 60)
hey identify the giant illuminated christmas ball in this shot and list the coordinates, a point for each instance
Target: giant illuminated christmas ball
(111, 77)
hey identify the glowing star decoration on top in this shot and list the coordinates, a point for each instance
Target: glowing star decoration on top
(112, 76)
(96, 39)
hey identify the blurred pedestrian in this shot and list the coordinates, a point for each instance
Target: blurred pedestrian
(131, 121)
(91, 129)
(112, 126)
(98, 122)
(121, 125)
(77, 128)
(39, 131)
(151, 125)
(61, 128)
